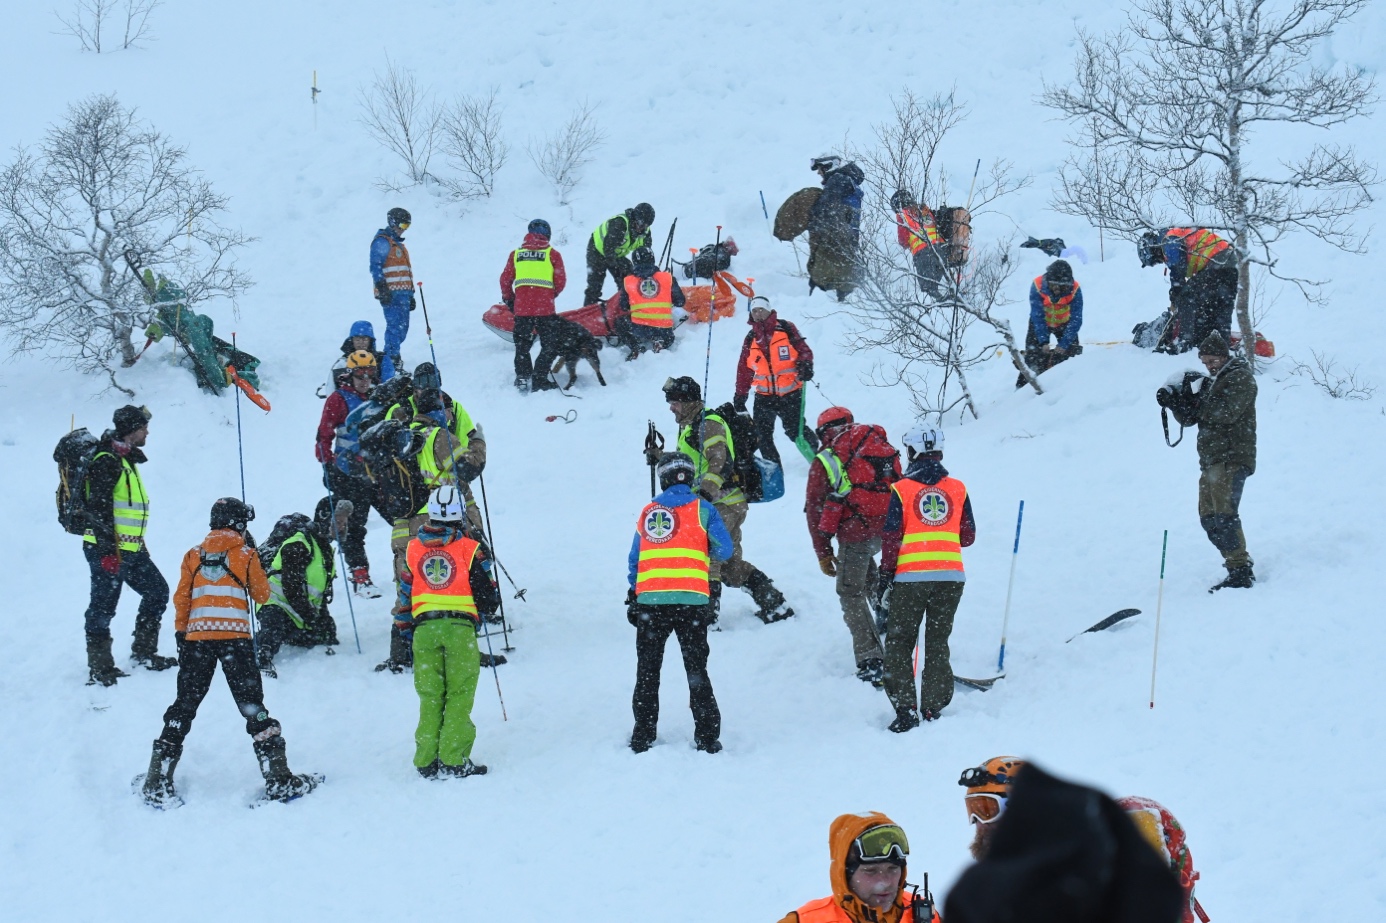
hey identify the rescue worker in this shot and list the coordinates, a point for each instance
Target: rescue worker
(445, 588)
(776, 361)
(928, 524)
(362, 337)
(852, 509)
(463, 441)
(114, 545)
(918, 233)
(707, 439)
(869, 855)
(1226, 455)
(988, 786)
(649, 296)
(343, 474)
(835, 227)
(677, 537)
(300, 580)
(1056, 309)
(1202, 269)
(531, 281)
(614, 240)
(393, 278)
(219, 579)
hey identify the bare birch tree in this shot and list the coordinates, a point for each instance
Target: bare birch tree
(102, 183)
(1167, 112)
(562, 156)
(470, 137)
(402, 116)
(92, 23)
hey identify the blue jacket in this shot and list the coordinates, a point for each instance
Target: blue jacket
(380, 248)
(1041, 329)
(719, 545)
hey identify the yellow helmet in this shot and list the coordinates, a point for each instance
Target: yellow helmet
(361, 359)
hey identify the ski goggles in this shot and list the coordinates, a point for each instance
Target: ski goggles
(886, 843)
(403, 225)
(428, 381)
(985, 807)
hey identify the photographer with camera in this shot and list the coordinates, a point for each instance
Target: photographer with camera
(1223, 407)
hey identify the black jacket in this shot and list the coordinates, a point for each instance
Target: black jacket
(293, 561)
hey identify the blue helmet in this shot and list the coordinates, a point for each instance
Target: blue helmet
(541, 227)
(363, 328)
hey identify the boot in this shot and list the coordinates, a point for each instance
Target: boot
(714, 601)
(468, 768)
(101, 666)
(280, 783)
(158, 790)
(264, 660)
(522, 384)
(361, 583)
(770, 601)
(144, 650)
(873, 672)
(542, 384)
(640, 741)
(430, 771)
(906, 719)
(401, 654)
(708, 746)
(1240, 578)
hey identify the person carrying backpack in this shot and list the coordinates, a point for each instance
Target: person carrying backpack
(301, 567)
(338, 451)
(776, 361)
(847, 499)
(835, 227)
(116, 507)
(706, 437)
(220, 578)
(1163, 832)
(462, 439)
(917, 232)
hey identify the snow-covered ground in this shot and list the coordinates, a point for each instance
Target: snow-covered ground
(1264, 737)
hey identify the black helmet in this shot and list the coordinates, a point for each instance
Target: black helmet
(675, 468)
(643, 214)
(643, 257)
(683, 388)
(1149, 250)
(230, 513)
(397, 216)
(427, 378)
(1059, 274)
(902, 200)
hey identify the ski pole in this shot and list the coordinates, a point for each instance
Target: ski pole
(240, 454)
(1010, 585)
(666, 256)
(491, 540)
(341, 552)
(766, 212)
(707, 365)
(1159, 604)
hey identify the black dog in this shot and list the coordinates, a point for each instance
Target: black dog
(574, 342)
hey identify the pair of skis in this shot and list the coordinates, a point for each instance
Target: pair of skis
(983, 685)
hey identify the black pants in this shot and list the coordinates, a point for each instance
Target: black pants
(789, 409)
(361, 493)
(526, 329)
(931, 269)
(197, 663)
(690, 624)
(278, 629)
(138, 570)
(598, 267)
(1204, 304)
(1041, 360)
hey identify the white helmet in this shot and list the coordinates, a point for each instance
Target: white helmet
(925, 439)
(829, 161)
(446, 505)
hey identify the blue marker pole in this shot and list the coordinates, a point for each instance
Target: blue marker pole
(1010, 585)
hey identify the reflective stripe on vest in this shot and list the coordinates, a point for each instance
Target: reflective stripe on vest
(777, 373)
(627, 248)
(651, 300)
(1056, 311)
(219, 599)
(673, 550)
(533, 268)
(316, 576)
(129, 507)
(932, 522)
(700, 466)
(839, 484)
(442, 577)
(396, 270)
(1200, 244)
(922, 229)
(826, 910)
(435, 475)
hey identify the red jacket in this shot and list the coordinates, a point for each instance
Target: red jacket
(853, 527)
(761, 333)
(532, 301)
(334, 414)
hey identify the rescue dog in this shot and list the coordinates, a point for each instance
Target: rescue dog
(574, 343)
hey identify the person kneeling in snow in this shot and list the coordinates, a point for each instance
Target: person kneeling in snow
(1056, 309)
(445, 589)
(301, 571)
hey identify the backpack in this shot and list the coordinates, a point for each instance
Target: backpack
(710, 259)
(347, 447)
(74, 453)
(286, 528)
(954, 225)
(750, 472)
(869, 461)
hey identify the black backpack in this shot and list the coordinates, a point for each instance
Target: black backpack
(74, 454)
(711, 258)
(286, 528)
(746, 473)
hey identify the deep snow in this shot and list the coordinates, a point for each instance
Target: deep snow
(1264, 737)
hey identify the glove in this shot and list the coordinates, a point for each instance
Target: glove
(382, 292)
(111, 564)
(411, 301)
(805, 370)
(739, 404)
(510, 303)
(180, 638)
(632, 613)
(883, 591)
(828, 565)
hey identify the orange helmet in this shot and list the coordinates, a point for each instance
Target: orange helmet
(361, 359)
(992, 777)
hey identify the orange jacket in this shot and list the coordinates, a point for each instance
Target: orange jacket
(844, 906)
(210, 603)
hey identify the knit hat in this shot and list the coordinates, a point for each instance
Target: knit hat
(683, 388)
(130, 418)
(1214, 345)
(1059, 272)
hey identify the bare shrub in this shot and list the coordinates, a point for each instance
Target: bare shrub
(93, 22)
(470, 137)
(402, 116)
(563, 155)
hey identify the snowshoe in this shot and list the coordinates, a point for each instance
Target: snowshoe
(468, 768)
(873, 672)
(106, 676)
(292, 787)
(1239, 578)
(521, 385)
(904, 721)
(156, 663)
(101, 668)
(163, 798)
(394, 666)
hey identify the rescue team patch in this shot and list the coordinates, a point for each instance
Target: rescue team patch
(784, 353)
(649, 288)
(438, 568)
(932, 506)
(659, 525)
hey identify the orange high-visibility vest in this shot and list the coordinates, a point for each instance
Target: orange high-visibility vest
(1056, 310)
(442, 577)
(932, 520)
(826, 910)
(775, 374)
(220, 602)
(923, 230)
(1201, 244)
(651, 300)
(398, 274)
(673, 550)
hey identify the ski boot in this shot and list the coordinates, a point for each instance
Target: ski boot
(468, 768)
(430, 771)
(873, 672)
(1240, 578)
(770, 602)
(145, 649)
(906, 719)
(361, 583)
(401, 654)
(640, 741)
(280, 783)
(101, 666)
(157, 790)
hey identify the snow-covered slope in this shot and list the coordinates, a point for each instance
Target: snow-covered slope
(1264, 737)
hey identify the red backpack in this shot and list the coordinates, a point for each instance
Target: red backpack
(872, 464)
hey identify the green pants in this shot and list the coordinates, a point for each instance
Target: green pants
(1219, 500)
(933, 603)
(446, 667)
